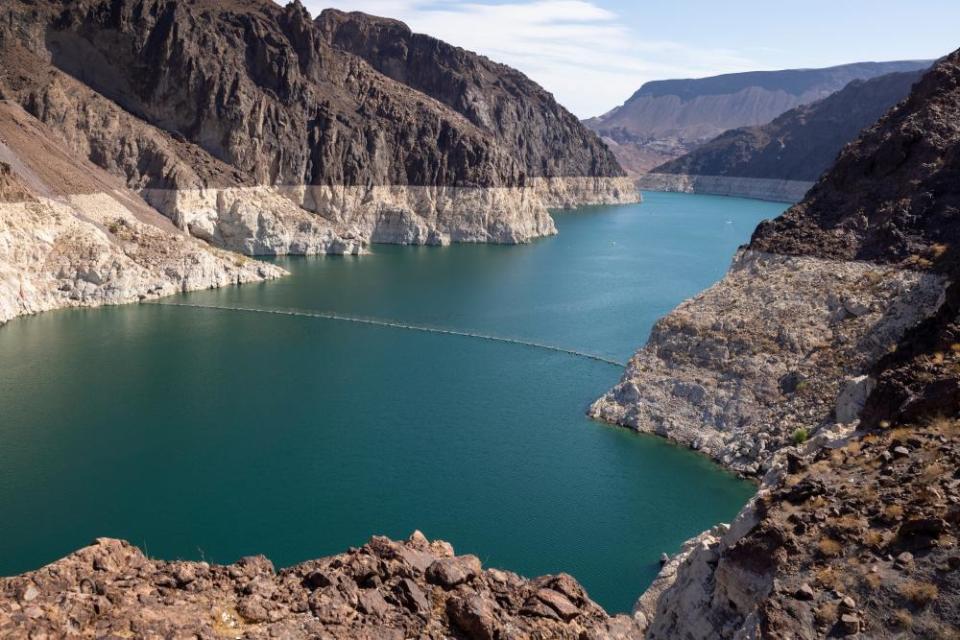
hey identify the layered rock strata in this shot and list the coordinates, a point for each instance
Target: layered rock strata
(767, 350)
(383, 590)
(666, 119)
(264, 131)
(72, 235)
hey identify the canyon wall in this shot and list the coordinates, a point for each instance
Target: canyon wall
(256, 129)
(206, 98)
(826, 362)
(73, 235)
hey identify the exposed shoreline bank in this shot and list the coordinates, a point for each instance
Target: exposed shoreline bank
(787, 191)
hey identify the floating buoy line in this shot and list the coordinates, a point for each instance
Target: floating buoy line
(391, 324)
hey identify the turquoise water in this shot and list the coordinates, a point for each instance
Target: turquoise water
(215, 434)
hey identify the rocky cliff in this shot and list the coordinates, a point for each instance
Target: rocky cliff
(259, 130)
(666, 119)
(796, 147)
(72, 235)
(383, 590)
(848, 407)
(211, 110)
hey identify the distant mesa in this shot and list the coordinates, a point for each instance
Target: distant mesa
(665, 119)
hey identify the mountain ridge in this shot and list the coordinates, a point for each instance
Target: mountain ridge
(665, 119)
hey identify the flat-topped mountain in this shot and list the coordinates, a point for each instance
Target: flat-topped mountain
(783, 158)
(665, 119)
(802, 143)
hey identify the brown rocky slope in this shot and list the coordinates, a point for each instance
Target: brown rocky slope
(73, 235)
(855, 528)
(383, 590)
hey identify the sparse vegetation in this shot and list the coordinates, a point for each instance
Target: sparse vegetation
(827, 613)
(893, 511)
(902, 618)
(800, 435)
(827, 578)
(829, 547)
(919, 593)
(873, 580)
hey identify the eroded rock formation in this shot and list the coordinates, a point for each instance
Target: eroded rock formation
(264, 131)
(855, 528)
(73, 235)
(383, 590)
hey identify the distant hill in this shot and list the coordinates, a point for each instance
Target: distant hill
(803, 142)
(668, 118)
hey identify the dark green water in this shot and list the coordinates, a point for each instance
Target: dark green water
(198, 433)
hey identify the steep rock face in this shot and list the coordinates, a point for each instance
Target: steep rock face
(855, 531)
(481, 90)
(737, 369)
(207, 96)
(72, 235)
(382, 590)
(666, 119)
(797, 146)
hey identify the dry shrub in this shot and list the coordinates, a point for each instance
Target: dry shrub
(873, 580)
(919, 593)
(827, 613)
(942, 424)
(827, 578)
(937, 249)
(902, 618)
(873, 538)
(893, 511)
(829, 547)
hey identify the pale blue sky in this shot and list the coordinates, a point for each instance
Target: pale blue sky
(592, 54)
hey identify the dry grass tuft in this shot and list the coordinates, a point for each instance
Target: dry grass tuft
(827, 613)
(919, 593)
(827, 578)
(902, 618)
(829, 548)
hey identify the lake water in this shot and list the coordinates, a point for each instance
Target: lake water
(215, 434)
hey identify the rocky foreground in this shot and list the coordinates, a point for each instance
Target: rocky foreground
(383, 590)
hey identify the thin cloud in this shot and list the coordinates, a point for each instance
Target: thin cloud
(581, 52)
